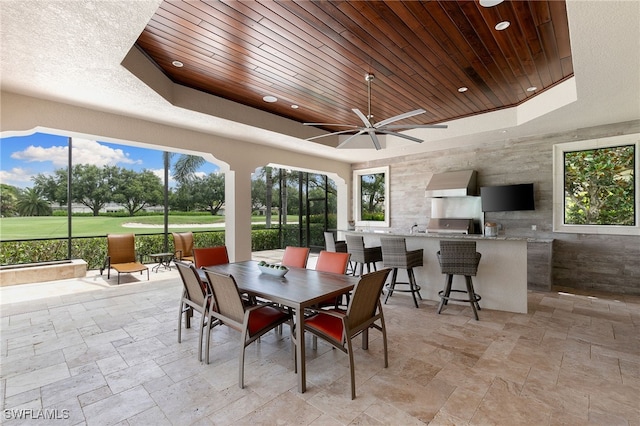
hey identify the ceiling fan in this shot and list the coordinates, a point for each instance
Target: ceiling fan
(384, 127)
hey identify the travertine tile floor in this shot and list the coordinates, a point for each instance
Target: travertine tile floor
(91, 352)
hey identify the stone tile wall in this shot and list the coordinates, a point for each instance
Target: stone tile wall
(604, 262)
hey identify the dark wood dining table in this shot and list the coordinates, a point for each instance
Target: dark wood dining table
(300, 288)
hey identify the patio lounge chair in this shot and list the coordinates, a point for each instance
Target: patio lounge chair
(121, 256)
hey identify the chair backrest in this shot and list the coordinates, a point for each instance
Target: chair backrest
(295, 257)
(210, 256)
(394, 250)
(355, 246)
(195, 289)
(227, 298)
(183, 243)
(458, 257)
(329, 261)
(366, 299)
(329, 241)
(121, 248)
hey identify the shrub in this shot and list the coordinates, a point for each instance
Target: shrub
(94, 249)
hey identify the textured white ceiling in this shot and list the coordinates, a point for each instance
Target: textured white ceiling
(72, 52)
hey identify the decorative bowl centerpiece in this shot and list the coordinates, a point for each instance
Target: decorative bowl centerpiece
(272, 269)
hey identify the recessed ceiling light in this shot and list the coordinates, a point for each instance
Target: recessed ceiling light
(177, 64)
(294, 106)
(462, 89)
(490, 3)
(532, 89)
(270, 98)
(502, 25)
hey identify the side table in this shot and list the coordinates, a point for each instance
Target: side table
(163, 259)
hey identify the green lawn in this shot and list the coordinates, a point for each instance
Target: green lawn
(18, 228)
(23, 228)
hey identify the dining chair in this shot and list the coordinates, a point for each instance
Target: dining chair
(210, 256)
(363, 312)
(336, 263)
(295, 257)
(121, 256)
(196, 296)
(183, 245)
(251, 321)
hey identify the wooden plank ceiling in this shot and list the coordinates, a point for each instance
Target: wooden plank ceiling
(315, 54)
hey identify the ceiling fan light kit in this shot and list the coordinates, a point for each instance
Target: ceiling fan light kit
(373, 129)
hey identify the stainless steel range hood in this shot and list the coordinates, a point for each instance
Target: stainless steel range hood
(453, 184)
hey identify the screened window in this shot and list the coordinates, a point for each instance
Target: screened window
(596, 186)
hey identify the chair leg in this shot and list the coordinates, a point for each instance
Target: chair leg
(415, 284)
(241, 367)
(200, 331)
(206, 356)
(383, 328)
(351, 369)
(472, 296)
(180, 322)
(392, 284)
(446, 292)
(413, 287)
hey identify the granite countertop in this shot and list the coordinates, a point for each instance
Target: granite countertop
(477, 237)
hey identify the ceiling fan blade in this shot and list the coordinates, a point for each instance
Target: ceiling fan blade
(400, 135)
(414, 126)
(344, 142)
(375, 140)
(332, 124)
(331, 134)
(399, 117)
(364, 119)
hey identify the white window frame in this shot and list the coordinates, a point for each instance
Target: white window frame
(357, 197)
(558, 185)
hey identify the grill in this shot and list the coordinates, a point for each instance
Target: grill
(450, 226)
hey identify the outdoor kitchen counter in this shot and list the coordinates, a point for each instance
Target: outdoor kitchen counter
(502, 272)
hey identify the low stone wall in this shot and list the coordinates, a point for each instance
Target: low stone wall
(33, 273)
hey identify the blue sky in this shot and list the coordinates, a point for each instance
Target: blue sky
(22, 157)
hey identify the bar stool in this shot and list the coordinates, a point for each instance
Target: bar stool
(459, 258)
(363, 255)
(395, 255)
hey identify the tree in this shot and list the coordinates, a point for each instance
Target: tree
(9, 195)
(372, 192)
(93, 187)
(185, 167)
(599, 186)
(135, 191)
(53, 188)
(31, 203)
(209, 192)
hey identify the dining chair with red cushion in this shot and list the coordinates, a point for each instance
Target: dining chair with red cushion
(363, 312)
(251, 321)
(196, 296)
(336, 263)
(295, 257)
(210, 256)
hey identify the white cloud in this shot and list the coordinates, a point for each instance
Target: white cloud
(160, 174)
(84, 152)
(17, 177)
(56, 154)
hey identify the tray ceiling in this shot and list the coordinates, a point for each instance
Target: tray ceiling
(315, 55)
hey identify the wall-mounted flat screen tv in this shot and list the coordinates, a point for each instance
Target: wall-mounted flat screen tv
(506, 198)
